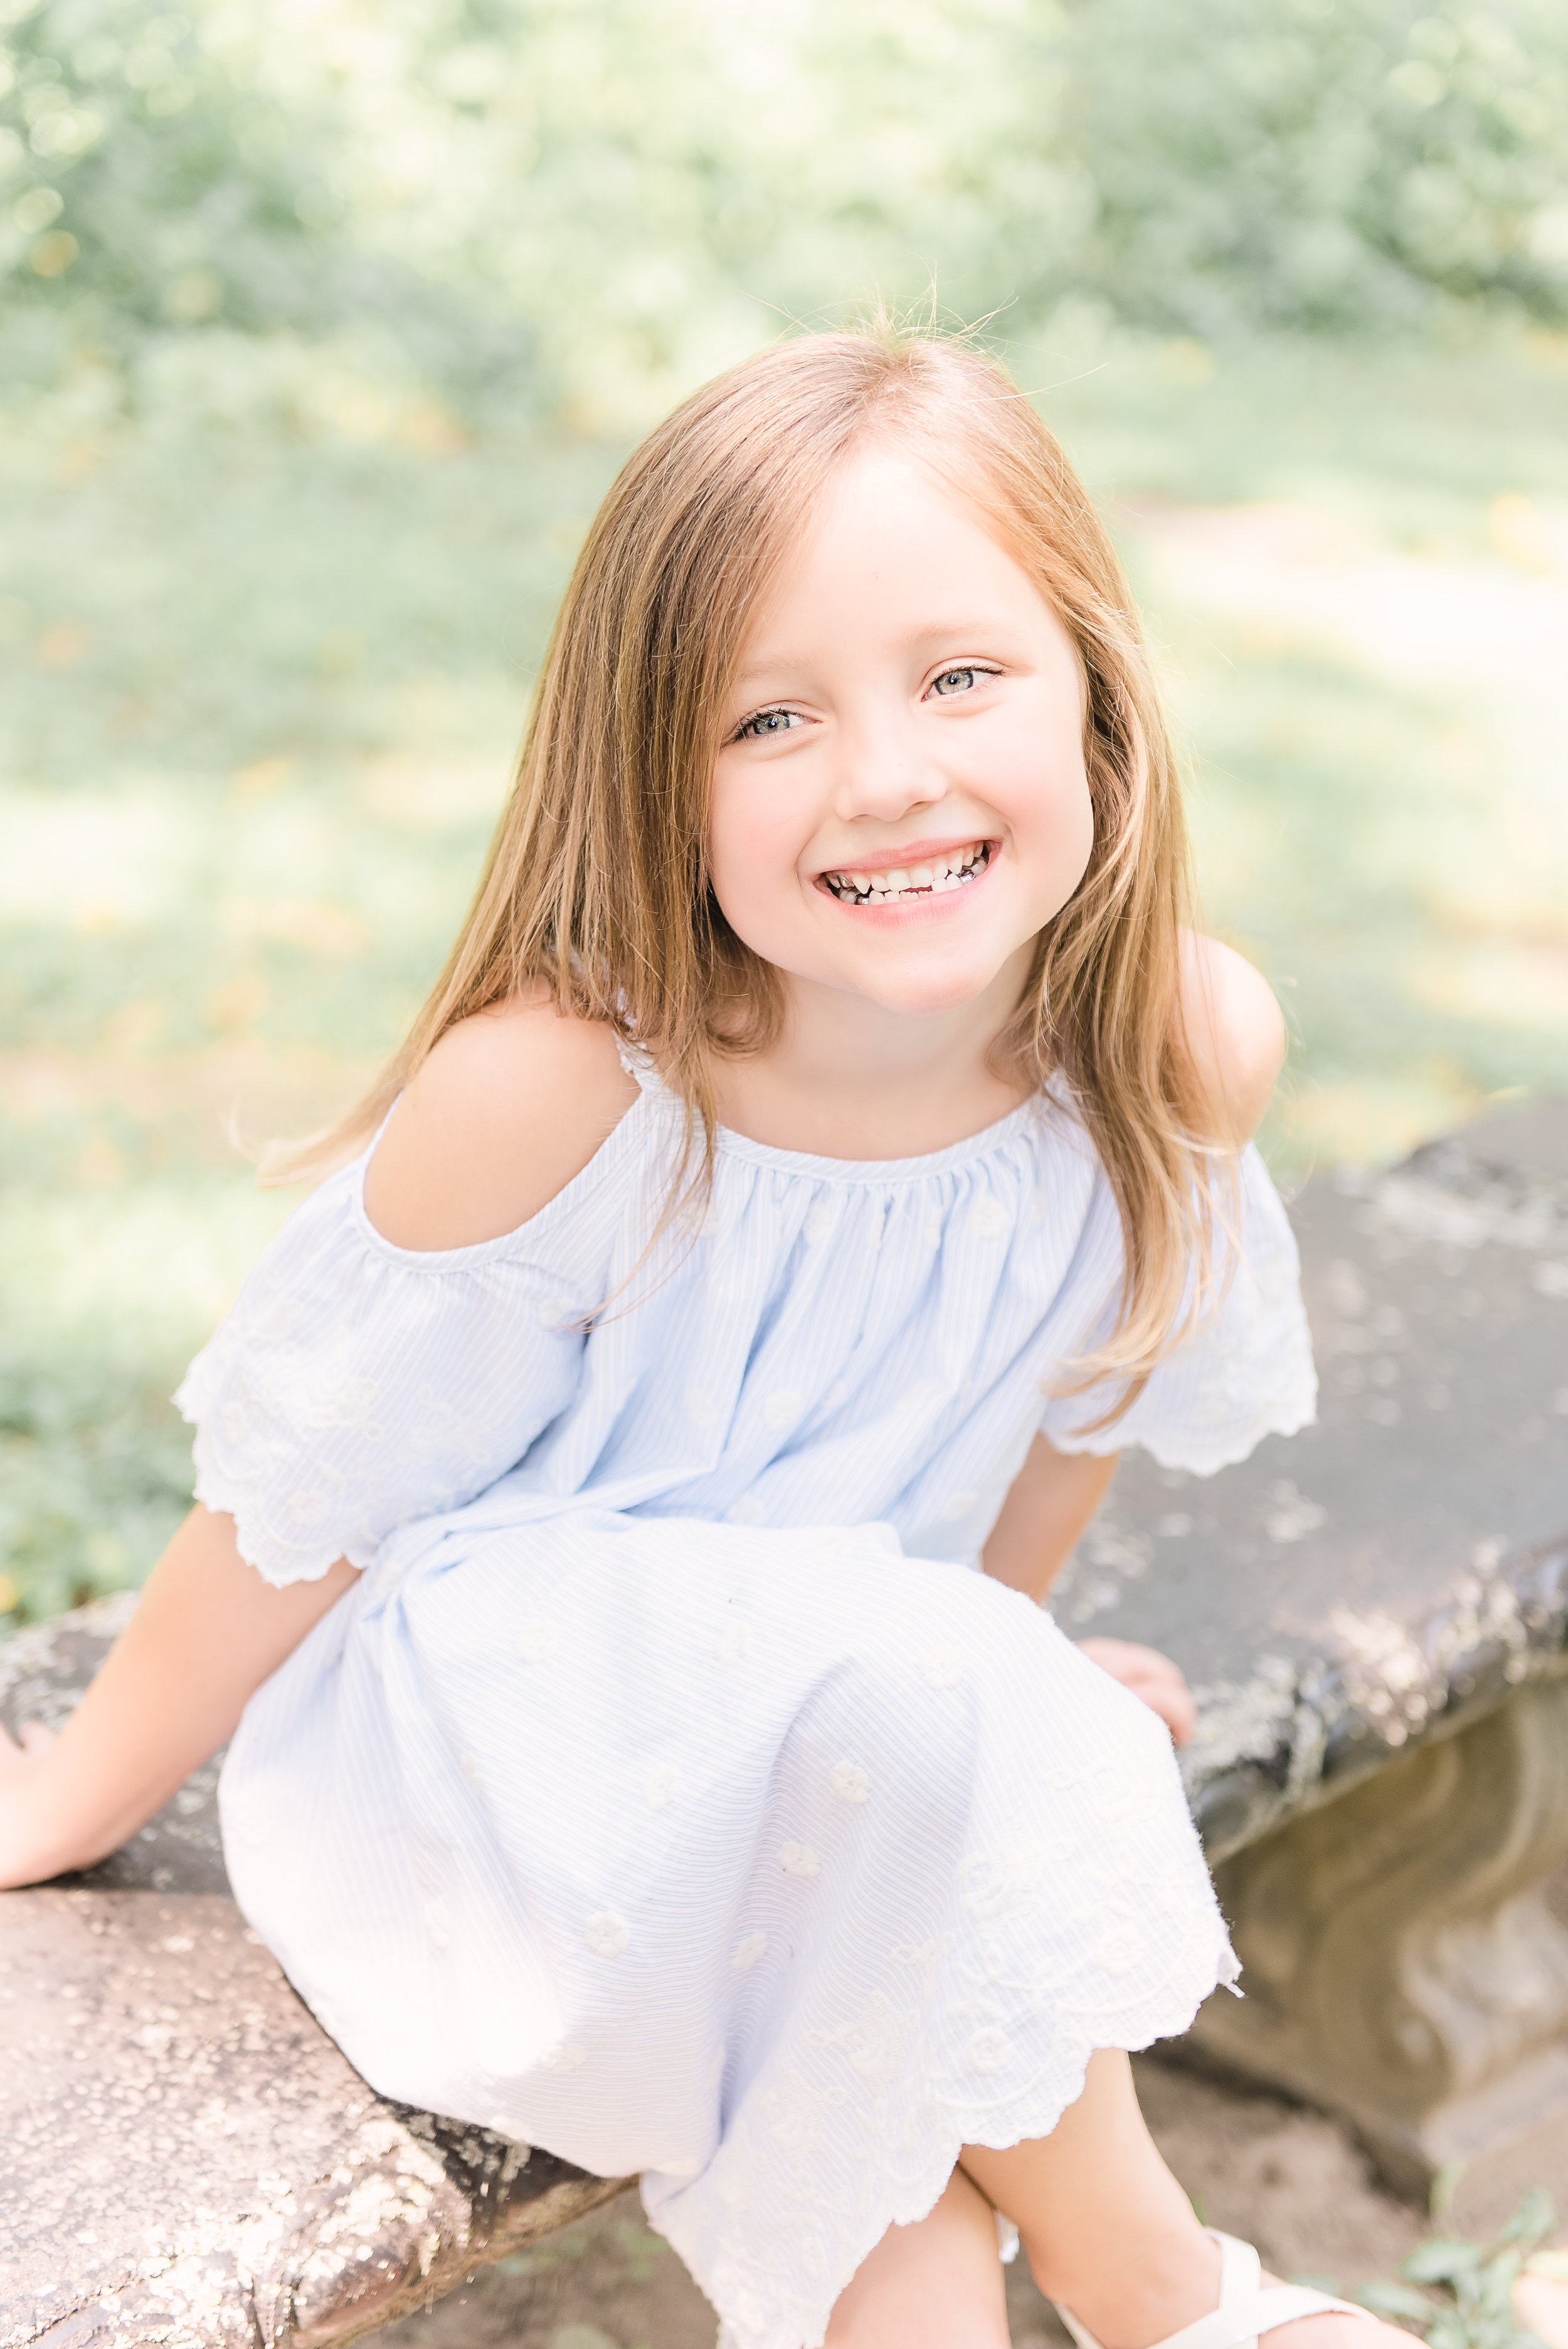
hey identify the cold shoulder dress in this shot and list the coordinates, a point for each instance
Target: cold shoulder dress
(671, 1791)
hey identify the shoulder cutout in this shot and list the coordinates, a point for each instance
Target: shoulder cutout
(1235, 1034)
(508, 1108)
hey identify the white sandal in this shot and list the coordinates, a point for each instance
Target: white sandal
(1247, 2307)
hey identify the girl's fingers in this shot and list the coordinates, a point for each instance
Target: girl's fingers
(1149, 1676)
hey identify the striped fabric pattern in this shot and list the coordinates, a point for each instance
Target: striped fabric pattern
(839, 1343)
(668, 1792)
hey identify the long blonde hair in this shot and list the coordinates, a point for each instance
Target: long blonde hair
(597, 877)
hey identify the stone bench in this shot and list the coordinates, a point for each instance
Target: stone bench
(186, 2158)
(1372, 1614)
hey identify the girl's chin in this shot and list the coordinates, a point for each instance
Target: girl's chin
(917, 995)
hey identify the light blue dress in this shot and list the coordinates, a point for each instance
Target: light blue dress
(670, 1792)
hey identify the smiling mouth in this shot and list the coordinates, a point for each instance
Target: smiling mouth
(954, 869)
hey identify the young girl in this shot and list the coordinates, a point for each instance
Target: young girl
(819, 1157)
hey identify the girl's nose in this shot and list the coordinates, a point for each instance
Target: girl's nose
(884, 772)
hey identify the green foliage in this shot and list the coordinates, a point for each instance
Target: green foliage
(568, 209)
(1468, 2299)
(1322, 162)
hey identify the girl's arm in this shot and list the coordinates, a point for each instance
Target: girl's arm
(509, 1105)
(1234, 1038)
(1049, 1502)
(207, 1633)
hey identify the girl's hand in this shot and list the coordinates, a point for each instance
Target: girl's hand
(1152, 1677)
(22, 1843)
(207, 1631)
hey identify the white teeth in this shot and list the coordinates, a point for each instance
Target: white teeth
(943, 874)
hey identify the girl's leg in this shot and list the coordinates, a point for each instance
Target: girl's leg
(1110, 2235)
(937, 2285)
(1107, 2231)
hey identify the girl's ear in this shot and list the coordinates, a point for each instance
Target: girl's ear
(1233, 1032)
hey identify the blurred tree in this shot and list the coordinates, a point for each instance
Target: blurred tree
(1321, 163)
(582, 209)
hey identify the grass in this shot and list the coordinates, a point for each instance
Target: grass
(264, 655)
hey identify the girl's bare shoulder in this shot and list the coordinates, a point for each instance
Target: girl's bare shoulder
(1234, 1034)
(509, 1106)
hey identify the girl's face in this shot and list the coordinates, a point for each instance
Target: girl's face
(900, 804)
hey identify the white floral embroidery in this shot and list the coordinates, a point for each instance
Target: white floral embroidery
(958, 1504)
(874, 2044)
(1006, 1880)
(988, 2049)
(538, 1638)
(850, 1783)
(565, 2056)
(279, 1318)
(734, 1643)
(799, 1859)
(819, 1222)
(438, 1924)
(554, 1313)
(339, 1398)
(797, 2117)
(989, 1219)
(931, 1231)
(661, 1786)
(748, 1949)
(605, 1933)
(943, 1666)
(781, 1410)
(1119, 1940)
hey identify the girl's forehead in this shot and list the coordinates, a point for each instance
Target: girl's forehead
(891, 529)
(904, 477)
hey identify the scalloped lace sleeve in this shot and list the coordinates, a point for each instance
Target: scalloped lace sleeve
(1245, 1373)
(355, 1386)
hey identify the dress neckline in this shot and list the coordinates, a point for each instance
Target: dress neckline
(729, 1143)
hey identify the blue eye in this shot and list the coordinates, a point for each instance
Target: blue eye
(953, 680)
(767, 722)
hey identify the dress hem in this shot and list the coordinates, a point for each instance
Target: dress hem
(1132, 2037)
